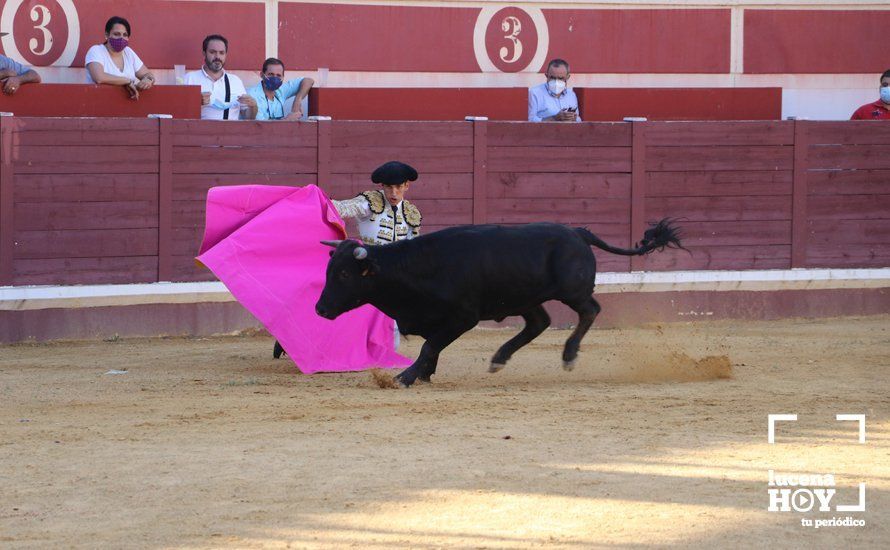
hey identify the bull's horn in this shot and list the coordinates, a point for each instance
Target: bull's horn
(334, 244)
(360, 253)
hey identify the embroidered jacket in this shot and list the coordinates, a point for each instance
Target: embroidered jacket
(378, 221)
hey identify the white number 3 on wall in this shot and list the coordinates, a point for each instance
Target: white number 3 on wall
(511, 25)
(40, 14)
(40, 47)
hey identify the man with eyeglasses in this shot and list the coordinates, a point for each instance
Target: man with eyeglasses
(554, 101)
(273, 92)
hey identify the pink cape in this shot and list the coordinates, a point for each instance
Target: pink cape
(262, 242)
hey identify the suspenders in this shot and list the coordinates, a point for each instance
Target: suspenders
(228, 96)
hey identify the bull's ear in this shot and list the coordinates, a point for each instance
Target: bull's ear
(369, 268)
(331, 253)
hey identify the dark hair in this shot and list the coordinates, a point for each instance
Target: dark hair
(272, 61)
(557, 62)
(219, 37)
(885, 75)
(116, 21)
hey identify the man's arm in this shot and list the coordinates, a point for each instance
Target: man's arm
(245, 99)
(533, 111)
(11, 84)
(301, 92)
(252, 108)
(356, 207)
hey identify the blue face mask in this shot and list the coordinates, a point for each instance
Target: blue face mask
(222, 105)
(885, 94)
(272, 83)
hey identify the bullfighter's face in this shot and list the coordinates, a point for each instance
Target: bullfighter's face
(395, 193)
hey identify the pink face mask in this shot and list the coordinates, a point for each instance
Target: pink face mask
(118, 44)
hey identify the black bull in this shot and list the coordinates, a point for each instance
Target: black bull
(441, 285)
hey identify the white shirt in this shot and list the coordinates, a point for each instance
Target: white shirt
(217, 89)
(542, 104)
(99, 54)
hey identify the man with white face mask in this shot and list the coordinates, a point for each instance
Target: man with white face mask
(880, 109)
(553, 101)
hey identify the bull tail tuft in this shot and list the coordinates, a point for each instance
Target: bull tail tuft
(659, 236)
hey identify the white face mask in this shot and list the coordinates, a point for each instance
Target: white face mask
(885, 94)
(555, 86)
(222, 105)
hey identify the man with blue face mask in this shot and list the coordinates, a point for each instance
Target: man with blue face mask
(553, 101)
(273, 92)
(880, 109)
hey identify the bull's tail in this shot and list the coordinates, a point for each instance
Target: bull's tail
(658, 237)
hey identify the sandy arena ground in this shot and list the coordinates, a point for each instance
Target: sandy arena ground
(210, 443)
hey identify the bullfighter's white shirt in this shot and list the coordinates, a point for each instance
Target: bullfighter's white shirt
(378, 222)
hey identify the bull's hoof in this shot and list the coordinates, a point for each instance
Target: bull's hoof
(496, 367)
(403, 381)
(569, 365)
(424, 380)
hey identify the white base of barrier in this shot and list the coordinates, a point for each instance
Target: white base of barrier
(21, 298)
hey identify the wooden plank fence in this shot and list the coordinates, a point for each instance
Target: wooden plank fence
(122, 200)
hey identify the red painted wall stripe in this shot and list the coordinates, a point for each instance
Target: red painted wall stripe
(641, 41)
(816, 41)
(602, 104)
(377, 38)
(435, 39)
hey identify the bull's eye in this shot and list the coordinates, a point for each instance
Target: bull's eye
(344, 275)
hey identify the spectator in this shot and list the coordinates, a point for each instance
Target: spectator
(271, 93)
(113, 62)
(553, 100)
(880, 109)
(222, 94)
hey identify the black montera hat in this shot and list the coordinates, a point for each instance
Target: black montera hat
(394, 173)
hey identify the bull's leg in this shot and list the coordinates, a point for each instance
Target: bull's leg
(425, 364)
(587, 312)
(536, 321)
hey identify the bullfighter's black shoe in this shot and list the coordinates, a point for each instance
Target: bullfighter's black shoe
(277, 350)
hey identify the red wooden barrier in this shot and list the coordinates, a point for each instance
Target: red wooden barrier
(681, 103)
(847, 200)
(88, 100)
(597, 104)
(419, 103)
(122, 200)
